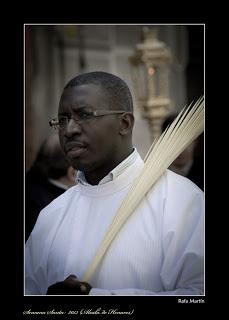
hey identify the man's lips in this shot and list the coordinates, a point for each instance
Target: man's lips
(74, 149)
(74, 144)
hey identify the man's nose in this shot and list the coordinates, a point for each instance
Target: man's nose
(73, 127)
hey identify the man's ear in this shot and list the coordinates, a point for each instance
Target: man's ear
(126, 123)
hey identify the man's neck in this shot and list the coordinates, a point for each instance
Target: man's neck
(95, 177)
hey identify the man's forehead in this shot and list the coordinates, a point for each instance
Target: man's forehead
(84, 89)
(90, 93)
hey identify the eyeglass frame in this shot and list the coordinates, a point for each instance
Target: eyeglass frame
(54, 123)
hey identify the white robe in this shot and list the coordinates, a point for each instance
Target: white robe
(159, 250)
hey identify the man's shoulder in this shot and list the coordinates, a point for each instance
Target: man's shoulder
(61, 200)
(52, 214)
(171, 184)
(175, 198)
(175, 180)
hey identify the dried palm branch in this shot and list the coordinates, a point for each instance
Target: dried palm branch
(187, 126)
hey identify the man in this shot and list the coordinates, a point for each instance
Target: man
(158, 251)
(50, 175)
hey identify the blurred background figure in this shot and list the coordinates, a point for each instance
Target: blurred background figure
(190, 163)
(49, 176)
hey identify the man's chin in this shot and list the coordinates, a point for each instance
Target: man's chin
(80, 165)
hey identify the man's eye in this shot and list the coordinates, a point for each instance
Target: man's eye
(62, 120)
(85, 115)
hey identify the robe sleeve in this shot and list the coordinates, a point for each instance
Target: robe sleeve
(36, 257)
(31, 285)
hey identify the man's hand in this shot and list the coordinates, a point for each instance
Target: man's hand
(69, 286)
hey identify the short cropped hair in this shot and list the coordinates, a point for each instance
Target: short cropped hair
(117, 90)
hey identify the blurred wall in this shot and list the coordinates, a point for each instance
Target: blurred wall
(56, 53)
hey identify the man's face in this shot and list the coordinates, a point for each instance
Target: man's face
(94, 143)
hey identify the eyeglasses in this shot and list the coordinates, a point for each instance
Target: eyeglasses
(61, 122)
